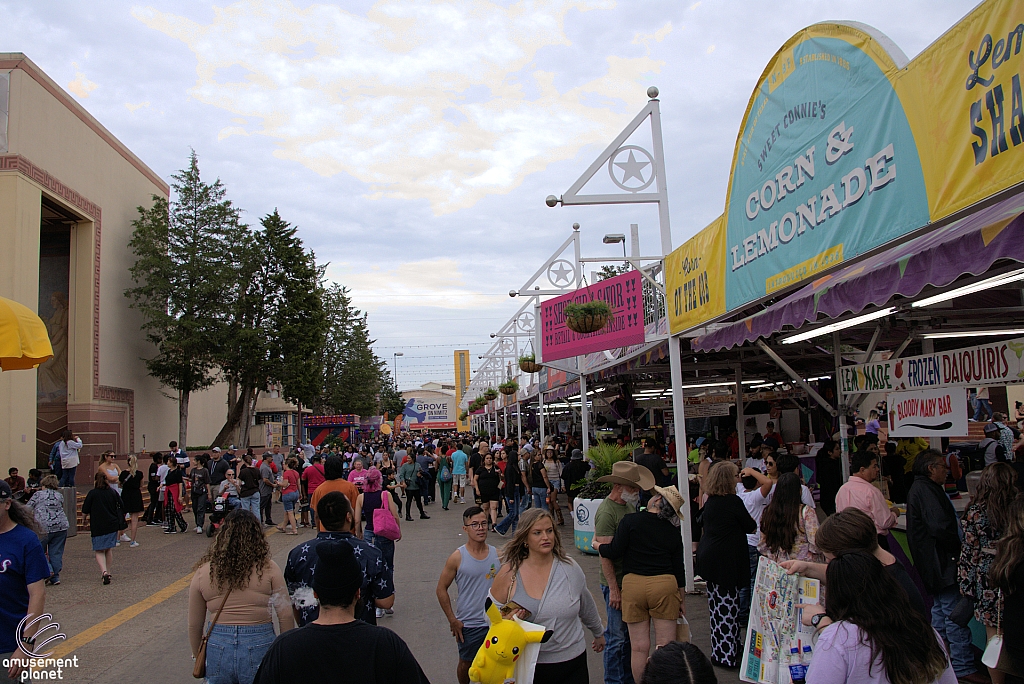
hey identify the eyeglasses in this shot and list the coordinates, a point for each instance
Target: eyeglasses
(477, 525)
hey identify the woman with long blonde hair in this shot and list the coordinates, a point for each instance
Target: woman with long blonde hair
(131, 496)
(238, 577)
(549, 588)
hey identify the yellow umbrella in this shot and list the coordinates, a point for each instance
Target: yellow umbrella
(24, 343)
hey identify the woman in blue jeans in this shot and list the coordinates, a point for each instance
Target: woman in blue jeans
(48, 506)
(540, 485)
(237, 573)
(372, 498)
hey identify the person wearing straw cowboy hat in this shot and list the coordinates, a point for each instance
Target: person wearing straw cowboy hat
(627, 479)
(654, 581)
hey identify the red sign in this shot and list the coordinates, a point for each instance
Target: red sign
(623, 293)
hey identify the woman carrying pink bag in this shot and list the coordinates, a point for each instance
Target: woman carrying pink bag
(377, 516)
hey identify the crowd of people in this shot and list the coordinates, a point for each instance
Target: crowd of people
(882, 618)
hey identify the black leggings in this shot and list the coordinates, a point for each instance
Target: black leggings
(410, 496)
(569, 672)
(155, 510)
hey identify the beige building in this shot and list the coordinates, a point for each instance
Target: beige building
(68, 195)
(432, 407)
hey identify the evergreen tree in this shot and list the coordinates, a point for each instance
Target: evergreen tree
(352, 376)
(183, 268)
(391, 401)
(277, 322)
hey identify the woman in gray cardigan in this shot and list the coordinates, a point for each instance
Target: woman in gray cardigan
(550, 589)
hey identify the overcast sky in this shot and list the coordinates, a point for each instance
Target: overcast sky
(413, 142)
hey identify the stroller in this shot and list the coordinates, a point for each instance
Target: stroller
(218, 511)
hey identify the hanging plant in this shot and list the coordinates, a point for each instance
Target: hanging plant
(477, 404)
(463, 416)
(491, 394)
(588, 317)
(508, 387)
(528, 363)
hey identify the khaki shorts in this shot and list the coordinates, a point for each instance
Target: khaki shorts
(649, 597)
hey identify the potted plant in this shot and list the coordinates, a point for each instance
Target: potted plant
(508, 387)
(588, 317)
(490, 394)
(528, 363)
(602, 457)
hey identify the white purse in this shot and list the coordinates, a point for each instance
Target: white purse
(994, 648)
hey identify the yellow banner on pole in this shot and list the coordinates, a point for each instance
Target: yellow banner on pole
(695, 278)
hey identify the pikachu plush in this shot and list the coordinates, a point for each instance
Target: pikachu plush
(495, 662)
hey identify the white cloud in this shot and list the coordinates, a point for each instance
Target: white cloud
(378, 96)
(135, 107)
(81, 86)
(424, 283)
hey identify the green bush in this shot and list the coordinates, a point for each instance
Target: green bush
(602, 457)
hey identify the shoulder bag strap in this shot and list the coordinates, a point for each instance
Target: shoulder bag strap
(511, 587)
(206, 637)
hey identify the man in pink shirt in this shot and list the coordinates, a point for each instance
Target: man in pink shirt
(859, 493)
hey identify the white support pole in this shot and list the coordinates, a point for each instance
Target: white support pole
(504, 410)
(540, 415)
(519, 420)
(584, 413)
(841, 406)
(682, 474)
(740, 420)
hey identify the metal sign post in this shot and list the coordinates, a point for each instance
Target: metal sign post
(632, 176)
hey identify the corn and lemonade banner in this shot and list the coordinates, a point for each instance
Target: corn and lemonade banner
(841, 151)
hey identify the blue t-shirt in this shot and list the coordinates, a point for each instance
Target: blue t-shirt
(459, 460)
(22, 562)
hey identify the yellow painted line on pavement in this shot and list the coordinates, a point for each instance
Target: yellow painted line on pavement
(117, 619)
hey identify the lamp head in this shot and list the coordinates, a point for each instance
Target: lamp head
(613, 238)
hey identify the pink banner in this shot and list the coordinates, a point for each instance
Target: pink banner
(625, 296)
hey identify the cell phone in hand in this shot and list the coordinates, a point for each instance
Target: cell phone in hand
(511, 608)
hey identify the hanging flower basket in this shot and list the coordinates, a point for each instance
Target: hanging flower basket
(490, 394)
(588, 317)
(510, 387)
(463, 416)
(528, 364)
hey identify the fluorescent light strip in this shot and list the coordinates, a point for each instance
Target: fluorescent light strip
(972, 333)
(986, 284)
(842, 325)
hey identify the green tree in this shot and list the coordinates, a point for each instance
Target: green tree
(391, 401)
(183, 267)
(276, 326)
(352, 376)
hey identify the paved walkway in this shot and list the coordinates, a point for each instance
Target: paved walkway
(135, 629)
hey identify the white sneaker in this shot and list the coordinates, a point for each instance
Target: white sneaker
(199, 530)
(125, 537)
(133, 545)
(380, 613)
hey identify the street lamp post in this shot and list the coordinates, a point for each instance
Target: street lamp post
(614, 238)
(396, 355)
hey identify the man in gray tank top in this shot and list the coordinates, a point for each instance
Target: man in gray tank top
(472, 567)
